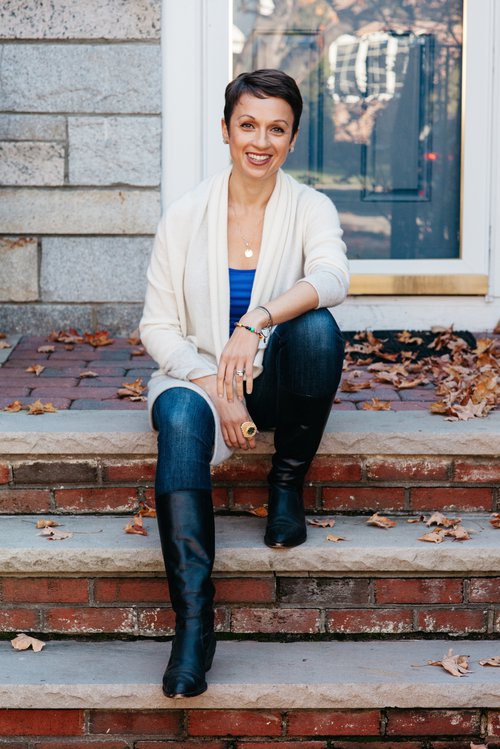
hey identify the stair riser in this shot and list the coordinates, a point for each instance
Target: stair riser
(264, 604)
(349, 484)
(231, 729)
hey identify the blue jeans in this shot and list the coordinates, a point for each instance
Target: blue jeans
(304, 356)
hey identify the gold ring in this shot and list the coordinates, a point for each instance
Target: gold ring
(248, 429)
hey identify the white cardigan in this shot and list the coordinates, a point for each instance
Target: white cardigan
(185, 322)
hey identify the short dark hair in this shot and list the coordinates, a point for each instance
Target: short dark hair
(264, 84)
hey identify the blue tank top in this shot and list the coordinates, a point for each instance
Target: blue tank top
(240, 290)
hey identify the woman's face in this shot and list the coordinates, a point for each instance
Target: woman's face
(259, 136)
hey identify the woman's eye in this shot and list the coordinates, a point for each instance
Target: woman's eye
(278, 130)
(247, 125)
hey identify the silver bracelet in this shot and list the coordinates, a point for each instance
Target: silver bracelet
(270, 323)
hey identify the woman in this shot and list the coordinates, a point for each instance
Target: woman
(242, 271)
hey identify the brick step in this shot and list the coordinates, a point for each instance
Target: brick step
(288, 696)
(383, 582)
(97, 461)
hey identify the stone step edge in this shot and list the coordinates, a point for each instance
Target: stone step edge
(347, 432)
(100, 547)
(249, 675)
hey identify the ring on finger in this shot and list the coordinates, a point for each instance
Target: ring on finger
(239, 372)
(248, 429)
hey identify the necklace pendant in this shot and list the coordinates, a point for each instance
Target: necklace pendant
(248, 252)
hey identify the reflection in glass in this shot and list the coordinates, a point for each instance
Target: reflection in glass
(381, 133)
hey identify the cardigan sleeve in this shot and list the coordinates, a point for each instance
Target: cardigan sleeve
(325, 263)
(160, 327)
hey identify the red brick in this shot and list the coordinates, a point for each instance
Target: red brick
(41, 722)
(20, 620)
(233, 723)
(13, 745)
(365, 621)
(334, 723)
(50, 387)
(493, 723)
(79, 745)
(281, 745)
(363, 498)
(220, 498)
(131, 590)
(245, 590)
(484, 590)
(451, 498)
(43, 590)
(177, 745)
(303, 621)
(324, 591)
(138, 471)
(96, 500)
(389, 745)
(24, 500)
(454, 620)
(88, 620)
(53, 472)
(4, 473)
(329, 468)
(496, 623)
(149, 722)
(256, 496)
(477, 472)
(243, 468)
(418, 590)
(407, 469)
(432, 722)
(156, 621)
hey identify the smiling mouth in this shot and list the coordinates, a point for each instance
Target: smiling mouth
(257, 158)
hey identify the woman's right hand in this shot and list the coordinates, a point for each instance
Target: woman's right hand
(232, 415)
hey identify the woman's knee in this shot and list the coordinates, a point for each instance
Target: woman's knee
(315, 332)
(180, 412)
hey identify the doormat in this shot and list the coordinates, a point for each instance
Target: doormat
(386, 344)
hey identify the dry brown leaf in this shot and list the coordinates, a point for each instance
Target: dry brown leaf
(456, 665)
(459, 533)
(135, 526)
(99, 338)
(146, 511)
(51, 535)
(406, 337)
(36, 408)
(354, 387)
(495, 520)
(260, 512)
(88, 373)
(435, 537)
(132, 390)
(134, 340)
(4, 344)
(335, 539)
(47, 524)
(437, 518)
(23, 642)
(415, 520)
(380, 521)
(321, 522)
(376, 405)
(35, 369)
(493, 661)
(70, 336)
(14, 407)
(3, 335)
(46, 349)
(138, 352)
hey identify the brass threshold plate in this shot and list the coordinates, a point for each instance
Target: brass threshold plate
(465, 285)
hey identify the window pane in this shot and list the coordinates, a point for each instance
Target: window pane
(381, 134)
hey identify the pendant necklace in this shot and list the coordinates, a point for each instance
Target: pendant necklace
(248, 249)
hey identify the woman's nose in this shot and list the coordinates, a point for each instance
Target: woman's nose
(261, 137)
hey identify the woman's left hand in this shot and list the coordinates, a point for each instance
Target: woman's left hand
(236, 364)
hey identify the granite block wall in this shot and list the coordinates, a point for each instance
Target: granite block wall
(80, 130)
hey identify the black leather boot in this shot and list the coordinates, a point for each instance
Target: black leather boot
(186, 525)
(301, 422)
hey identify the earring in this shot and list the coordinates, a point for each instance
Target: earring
(225, 141)
(291, 149)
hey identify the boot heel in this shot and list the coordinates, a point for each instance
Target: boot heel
(209, 656)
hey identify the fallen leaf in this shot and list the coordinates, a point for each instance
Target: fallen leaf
(437, 518)
(4, 344)
(14, 407)
(354, 387)
(23, 642)
(260, 512)
(99, 338)
(436, 536)
(380, 521)
(3, 335)
(495, 520)
(35, 369)
(132, 390)
(456, 665)
(46, 349)
(135, 526)
(88, 373)
(459, 533)
(376, 405)
(321, 522)
(146, 511)
(406, 337)
(415, 520)
(36, 408)
(70, 336)
(51, 535)
(134, 340)
(47, 524)
(497, 328)
(335, 539)
(138, 352)
(494, 661)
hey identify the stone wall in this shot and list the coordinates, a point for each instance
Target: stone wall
(80, 127)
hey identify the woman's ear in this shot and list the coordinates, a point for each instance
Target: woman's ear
(225, 131)
(293, 141)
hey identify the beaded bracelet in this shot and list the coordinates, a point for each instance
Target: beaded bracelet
(270, 323)
(252, 330)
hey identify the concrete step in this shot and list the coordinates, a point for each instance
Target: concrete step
(96, 461)
(377, 581)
